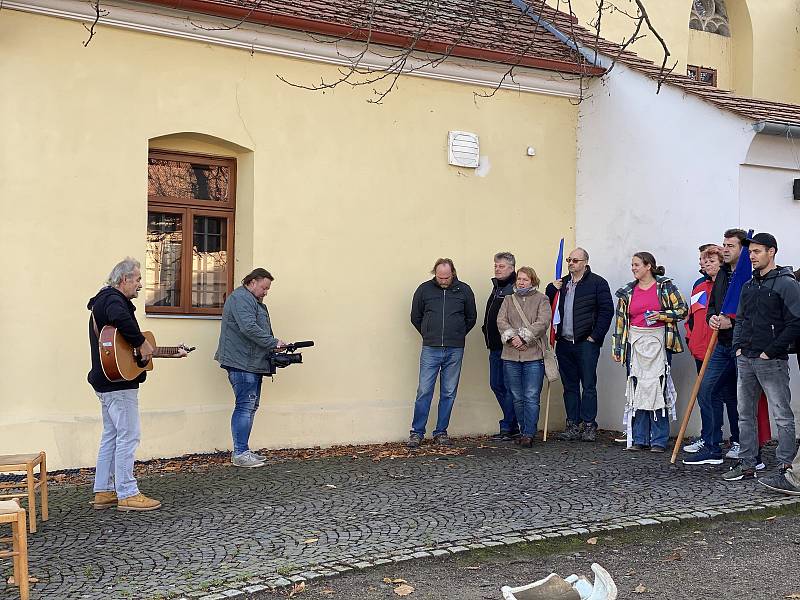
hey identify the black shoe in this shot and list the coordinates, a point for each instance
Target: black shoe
(413, 441)
(442, 440)
(573, 432)
(503, 436)
(589, 433)
(779, 483)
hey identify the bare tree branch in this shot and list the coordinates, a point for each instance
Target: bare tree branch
(98, 12)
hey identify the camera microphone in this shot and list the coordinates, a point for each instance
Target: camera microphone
(305, 344)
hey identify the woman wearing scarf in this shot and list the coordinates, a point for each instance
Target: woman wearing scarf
(522, 322)
(645, 338)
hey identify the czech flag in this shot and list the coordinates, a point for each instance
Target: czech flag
(554, 307)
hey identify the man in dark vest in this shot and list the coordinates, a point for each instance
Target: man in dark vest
(585, 309)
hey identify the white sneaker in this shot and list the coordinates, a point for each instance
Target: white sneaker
(734, 451)
(695, 446)
(760, 467)
(246, 459)
(622, 439)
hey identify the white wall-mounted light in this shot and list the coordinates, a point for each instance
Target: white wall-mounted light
(463, 149)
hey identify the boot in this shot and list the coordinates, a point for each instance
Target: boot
(589, 433)
(104, 500)
(138, 503)
(572, 433)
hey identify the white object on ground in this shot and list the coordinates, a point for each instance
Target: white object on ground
(553, 587)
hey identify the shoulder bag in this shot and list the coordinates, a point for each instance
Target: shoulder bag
(549, 356)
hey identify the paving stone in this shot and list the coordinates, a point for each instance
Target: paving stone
(213, 597)
(232, 593)
(198, 535)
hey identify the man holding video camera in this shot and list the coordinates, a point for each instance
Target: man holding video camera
(245, 344)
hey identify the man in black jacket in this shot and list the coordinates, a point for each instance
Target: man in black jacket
(767, 324)
(502, 286)
(114, 483)
(586, 309)
(443, 312)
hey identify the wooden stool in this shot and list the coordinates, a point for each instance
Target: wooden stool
(11, 513)
(26, 463)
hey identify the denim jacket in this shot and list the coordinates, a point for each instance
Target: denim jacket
(245, 337)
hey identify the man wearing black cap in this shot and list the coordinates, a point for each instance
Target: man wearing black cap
(767, 322)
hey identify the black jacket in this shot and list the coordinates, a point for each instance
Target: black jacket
(443, 316)
(500, 289)
(111, 307)
(768, 319)
(715, 303)
(592, 309)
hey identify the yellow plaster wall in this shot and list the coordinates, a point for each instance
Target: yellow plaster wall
(712, 51)
(347, 203)
(776, 49)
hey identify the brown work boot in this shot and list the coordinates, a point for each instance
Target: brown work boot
(104, 500)
(139, 503)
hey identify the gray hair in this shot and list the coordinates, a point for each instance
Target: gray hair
(121, 270)
(585, 253)
(506, 256)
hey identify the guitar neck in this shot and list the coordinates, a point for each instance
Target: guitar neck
(165, 351)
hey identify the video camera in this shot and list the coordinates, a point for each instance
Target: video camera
(285, 356)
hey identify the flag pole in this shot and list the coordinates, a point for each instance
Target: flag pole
(546, 410)
(695, 390)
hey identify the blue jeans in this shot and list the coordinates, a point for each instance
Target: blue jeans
(524, 381)
(121, 435)
(247, 389)
(577, 365)
(432, 361)
(508, 424)
(718, 392)
(651, 428)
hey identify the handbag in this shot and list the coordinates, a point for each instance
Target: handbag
(548, 354)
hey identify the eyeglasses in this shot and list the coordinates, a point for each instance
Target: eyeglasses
(575, 260)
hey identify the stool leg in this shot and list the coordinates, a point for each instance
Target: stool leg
(15, 550)
(43, 487)
(22, 534)
(32, 498)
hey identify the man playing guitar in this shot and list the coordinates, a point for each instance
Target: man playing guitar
(114, 483)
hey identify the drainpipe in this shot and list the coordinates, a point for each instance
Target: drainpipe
(773, 128)
(589, 55)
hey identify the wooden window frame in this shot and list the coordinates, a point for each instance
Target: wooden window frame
(700, 71)
(188, 208)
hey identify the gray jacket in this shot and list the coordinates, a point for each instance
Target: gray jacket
(245, 337)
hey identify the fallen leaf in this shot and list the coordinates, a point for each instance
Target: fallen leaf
(297, 588)
(327, 592)
(770, 518)
(630, 574)
(793, 596)
(472, 568)
(330, 485)
(592, 541)
(393, 580)
(310, 541)
(639, 589)
(674, 556)
(403, 590)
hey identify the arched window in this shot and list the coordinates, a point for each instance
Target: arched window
(710, 16)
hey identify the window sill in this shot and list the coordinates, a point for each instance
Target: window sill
(192, 317)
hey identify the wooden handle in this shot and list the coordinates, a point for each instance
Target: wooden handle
(695, 390)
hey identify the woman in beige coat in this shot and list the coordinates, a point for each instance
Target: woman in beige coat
(522, 322)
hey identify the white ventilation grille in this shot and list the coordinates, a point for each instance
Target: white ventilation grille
(463, 149)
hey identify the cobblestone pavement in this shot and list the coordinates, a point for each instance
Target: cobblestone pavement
(238, 531)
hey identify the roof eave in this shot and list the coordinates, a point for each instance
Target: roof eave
(237, 13)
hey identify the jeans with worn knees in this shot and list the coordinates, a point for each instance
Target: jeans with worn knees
(434, 360)
(508, 424)
(118, 443)
(524, 381)
(718, 393)
(577, 365)
(247, 389)
(771, 376)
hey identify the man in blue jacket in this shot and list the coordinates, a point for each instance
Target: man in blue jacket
(586, 309)
(245, 342)
(443, 312)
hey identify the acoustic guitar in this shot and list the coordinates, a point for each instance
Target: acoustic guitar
(121, 362)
